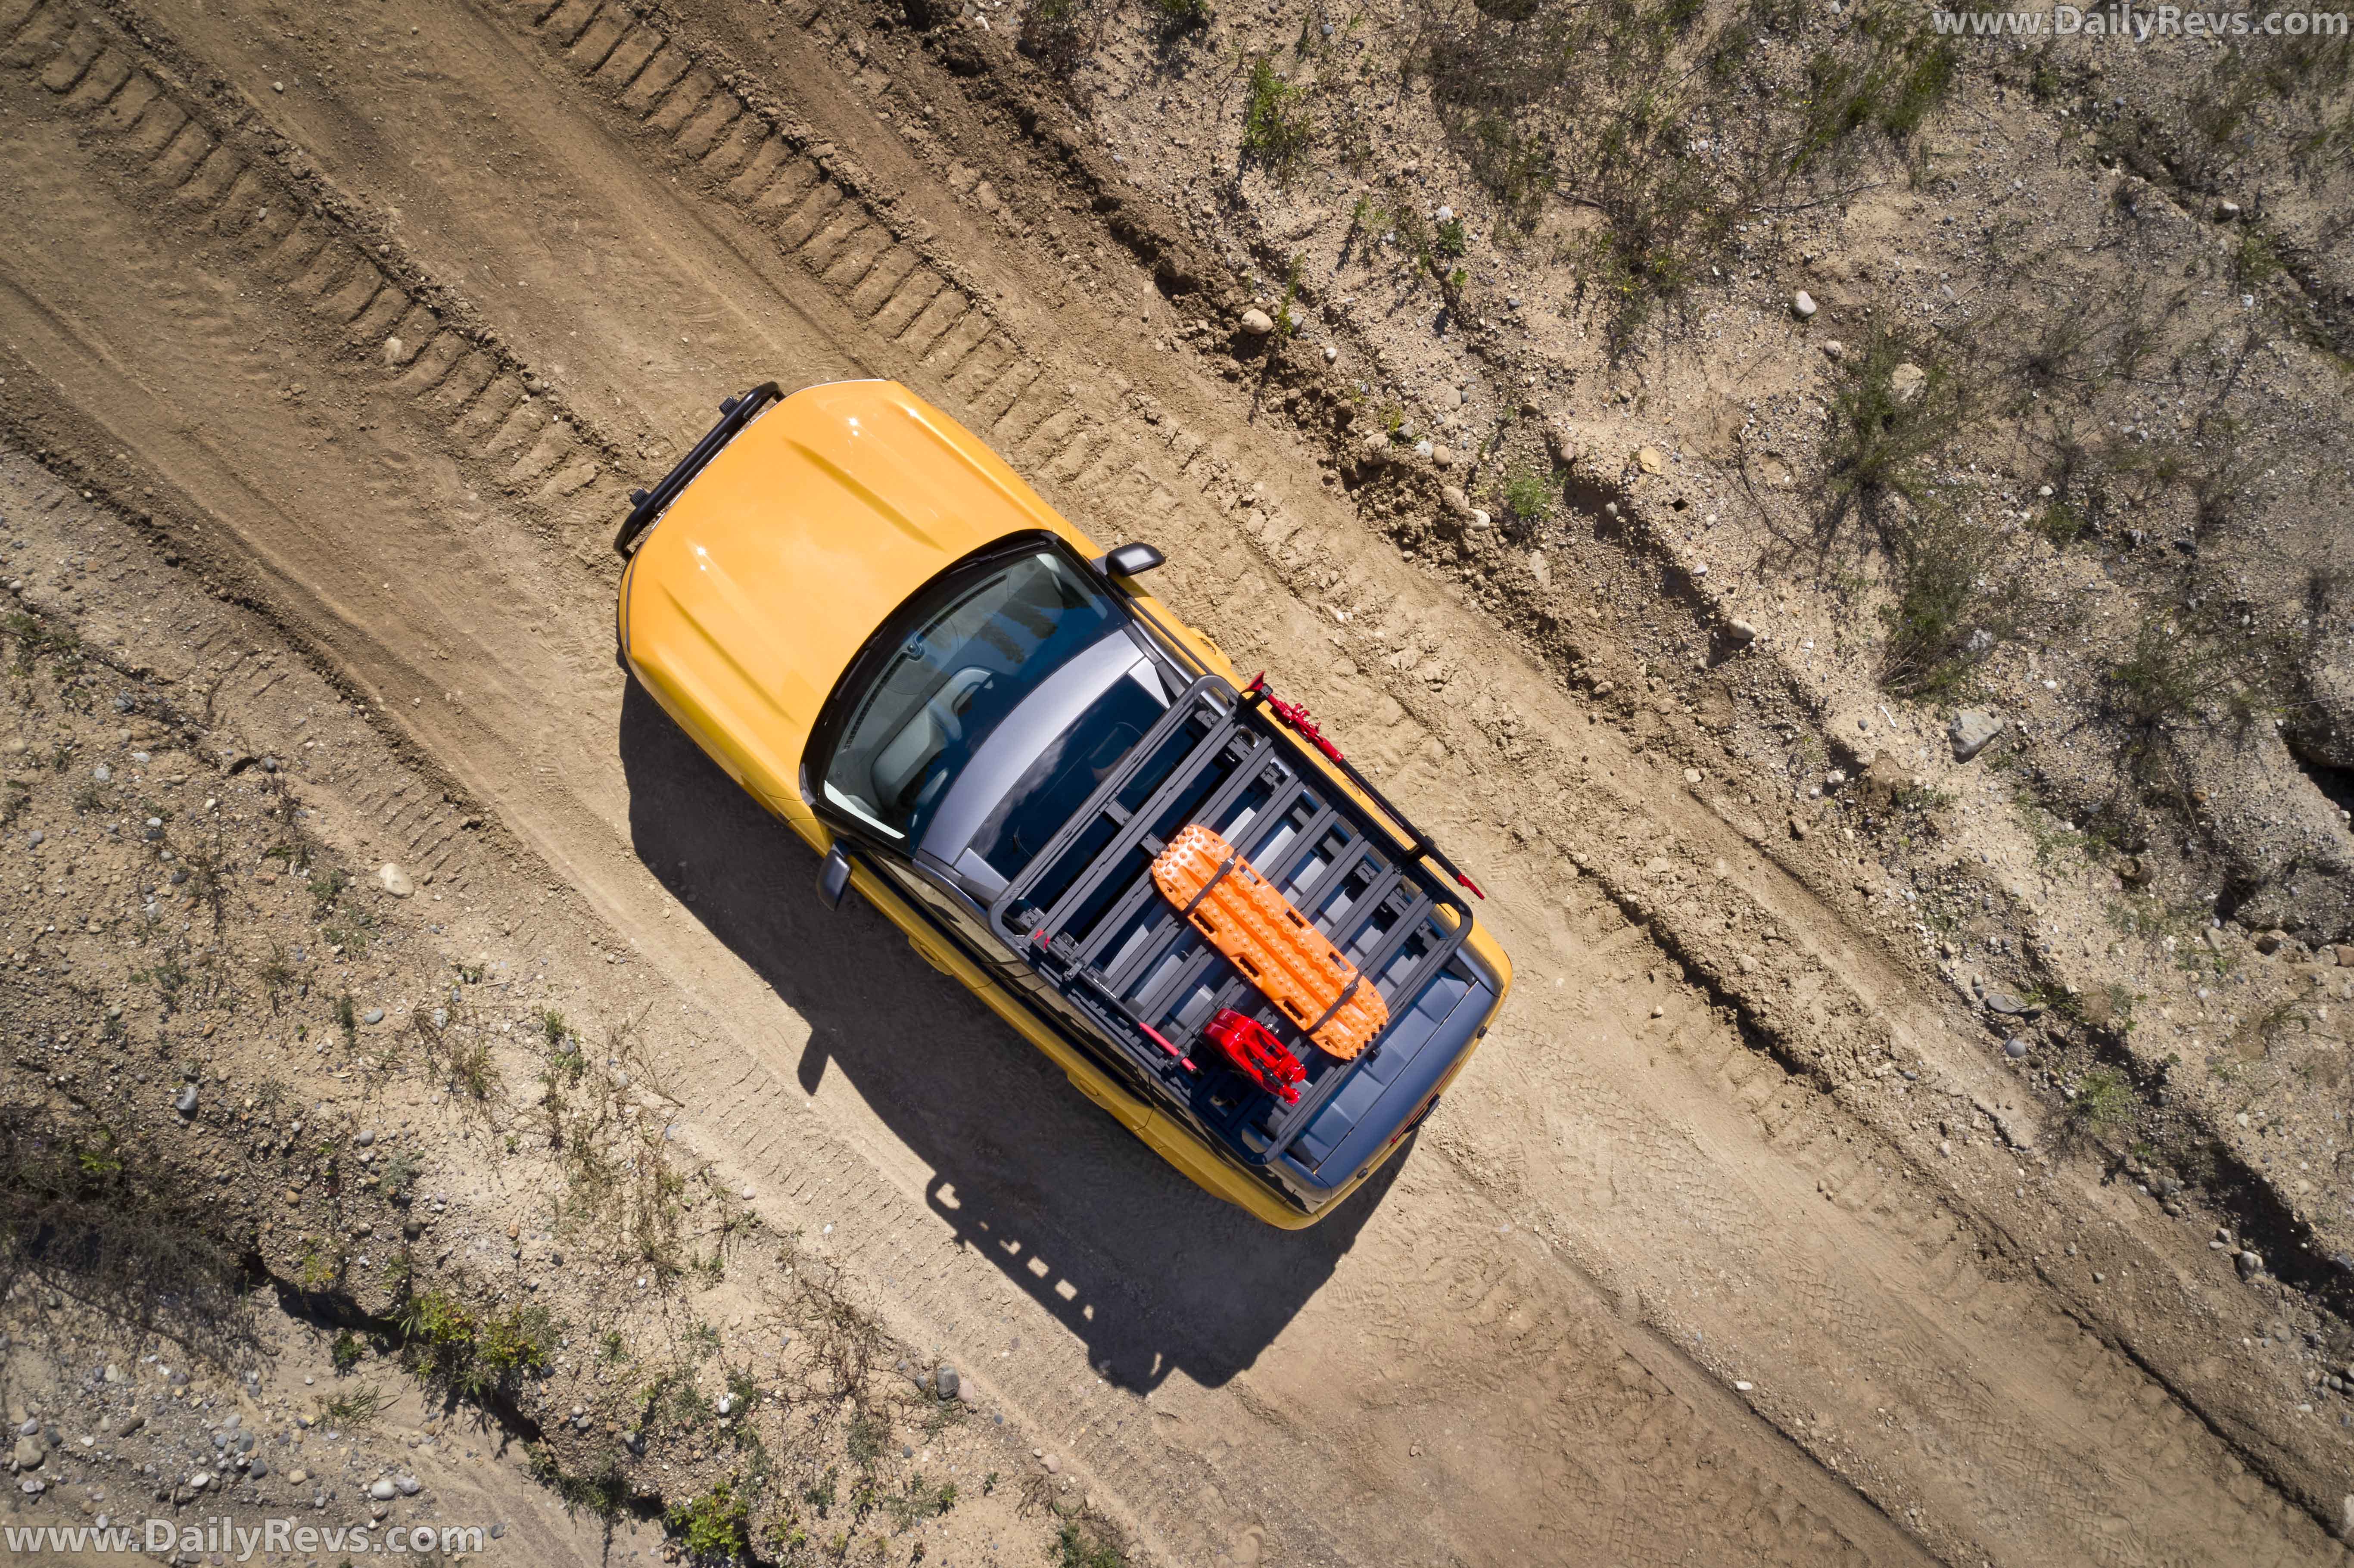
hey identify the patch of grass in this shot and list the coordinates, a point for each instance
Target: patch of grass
(1277, 125)
(348, 1019)
(1088, 1542)
(345, 1351)
(454, 1348)
(352, 1411)
(397, 1176)
(1285, 322)
(1183, 16)
(458, 1044)
(325, 891)
(2104, 1103)
(1945, 567)
(1897, 403)
(716, 1525)
(1528, 493)
(168, 976)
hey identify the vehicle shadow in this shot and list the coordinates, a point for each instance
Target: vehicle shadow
(1150, 1272)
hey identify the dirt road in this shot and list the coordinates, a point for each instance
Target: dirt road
(1732, 1247)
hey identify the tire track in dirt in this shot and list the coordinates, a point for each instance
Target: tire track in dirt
(1086, 462)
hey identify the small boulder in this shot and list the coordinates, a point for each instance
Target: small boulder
(1802, 305)
(1457, 503)
(1258, 322)
(1907, 382)
(1971, 732)
(1740, 633)
(1648, 460)
(395, 881)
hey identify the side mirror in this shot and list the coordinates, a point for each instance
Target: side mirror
(833, 878)
(1131, 561)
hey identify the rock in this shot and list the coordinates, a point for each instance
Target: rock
(2270, 941)
(32, 1487)
(185, 1104)
(128, 1424)
(1053, 1465)
(945, 1382)
(1456, 501)
(1540, 569)
(1258, 322)
(374, 1015)
(1444, 215)
(259, 1468)
(200, 1480)
(1833, 349)
(2015, 1047)
(408, 1486)
(1377, 445)
(2345, 954)
(2228, 211)
(103, 773)
(395, 881)
(1907, 381)
(384, 1490)
(1740, 633)
(363, 1138)
(1802, 305)
(30, 1453)
(2009, 1006)
(2249, 1263)
(1442, 455)
(1648, 460)
(1798, 829)
(297, 1477)
(1972, 730)
(1561, 441)
(395, 350)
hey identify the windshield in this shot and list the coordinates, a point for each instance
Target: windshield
(968, 649)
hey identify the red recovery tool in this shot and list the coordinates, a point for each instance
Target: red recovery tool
(1257, 1053)
(1297, 717)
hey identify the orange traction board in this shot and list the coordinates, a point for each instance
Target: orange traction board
(1239, 913)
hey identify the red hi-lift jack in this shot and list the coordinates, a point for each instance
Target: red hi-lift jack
(1257, 1053)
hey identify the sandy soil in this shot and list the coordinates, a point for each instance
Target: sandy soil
(1742, 1242)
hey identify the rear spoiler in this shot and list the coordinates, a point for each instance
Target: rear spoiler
(646, 505)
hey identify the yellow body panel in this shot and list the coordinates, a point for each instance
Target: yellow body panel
(751, 595)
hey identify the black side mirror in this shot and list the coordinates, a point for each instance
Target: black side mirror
(1131, 561)
(833, 878)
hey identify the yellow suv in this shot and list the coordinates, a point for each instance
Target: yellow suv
(975, 716)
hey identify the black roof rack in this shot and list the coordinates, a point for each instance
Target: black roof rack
(646, 505)
(1089, 920)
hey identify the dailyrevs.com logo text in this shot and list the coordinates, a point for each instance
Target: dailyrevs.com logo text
(237, 1543)
(2140, 24)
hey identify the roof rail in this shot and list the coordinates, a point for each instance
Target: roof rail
(646, 505)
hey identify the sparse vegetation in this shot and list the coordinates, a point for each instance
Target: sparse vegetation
(2105, 1103)
(1277, 125)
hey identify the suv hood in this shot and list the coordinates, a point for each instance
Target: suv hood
(753, 592)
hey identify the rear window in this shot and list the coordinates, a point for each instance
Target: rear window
(962, 654)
